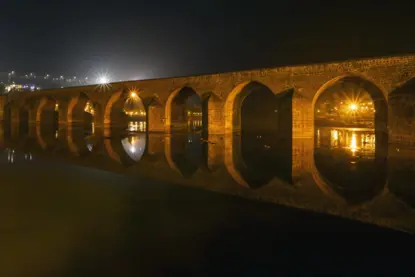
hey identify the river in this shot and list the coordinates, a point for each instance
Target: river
(109, 204)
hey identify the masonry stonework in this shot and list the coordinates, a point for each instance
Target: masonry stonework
(306, 82)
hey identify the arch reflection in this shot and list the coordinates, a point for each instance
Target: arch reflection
(126, 150)
(184, 153)
(350, 154)
(78, 142)
(46, 137)
(351, 163)
(259, 148)
(402, 175)
(134, 146)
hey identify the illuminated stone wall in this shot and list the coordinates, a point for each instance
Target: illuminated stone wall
(402, 115)
(305, 81)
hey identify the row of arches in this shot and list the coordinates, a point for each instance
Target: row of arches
(185, 109)
(264, 124)
(188, 157)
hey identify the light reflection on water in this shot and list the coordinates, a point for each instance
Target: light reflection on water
(350, 163)
(356, 141)
(137, 126)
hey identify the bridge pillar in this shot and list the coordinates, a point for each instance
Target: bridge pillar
(155, 118)
(3, 101)
(402, 119)
(15, 115)
(302, 136)
(215, 151)
(2, 139)
(215, 115)
(155, 144)
(32, 115)
(63, 115)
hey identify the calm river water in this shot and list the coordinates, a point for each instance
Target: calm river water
(106, 204)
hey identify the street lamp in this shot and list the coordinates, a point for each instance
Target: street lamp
(103, 80)
(353, 107)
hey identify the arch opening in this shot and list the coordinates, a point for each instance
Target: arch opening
(350, 118)
(260, 140)
(184, 111)
(82, 114)
(47, 115)
(136, 113)
(125, 111)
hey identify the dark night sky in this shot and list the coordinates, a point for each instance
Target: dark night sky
(158, 38)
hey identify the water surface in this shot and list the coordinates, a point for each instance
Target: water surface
(110, 204)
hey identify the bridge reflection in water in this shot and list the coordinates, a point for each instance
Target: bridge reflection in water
(350, 164)
(345, 171)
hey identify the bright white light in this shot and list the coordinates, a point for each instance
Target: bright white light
(102, 80)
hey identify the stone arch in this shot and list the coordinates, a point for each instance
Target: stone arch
(79, 114)
(378, 95)
(258, 123)
(114, 115)
(175, 118)
(46, 113)
(344, 177)
(234, 101)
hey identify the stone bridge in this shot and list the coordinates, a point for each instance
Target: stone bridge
(388, 80)
(222, 95)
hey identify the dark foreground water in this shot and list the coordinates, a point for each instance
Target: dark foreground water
(110, 205)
